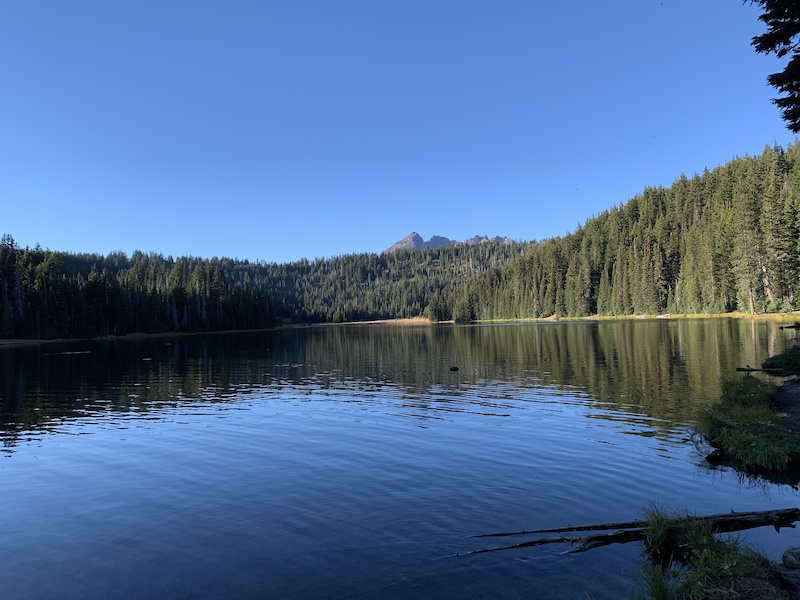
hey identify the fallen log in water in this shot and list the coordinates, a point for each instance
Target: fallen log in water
(568, 528)
(749, 369)
(635, 531)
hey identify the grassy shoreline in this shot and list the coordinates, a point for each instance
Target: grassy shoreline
(792, 317)
(748, 430)
(754, 433)
(708, 567)
(751, 429)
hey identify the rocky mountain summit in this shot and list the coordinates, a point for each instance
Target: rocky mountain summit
(414, 241)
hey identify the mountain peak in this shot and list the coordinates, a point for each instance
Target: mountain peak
(414, 241)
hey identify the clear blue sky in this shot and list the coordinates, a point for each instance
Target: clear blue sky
(280, 129)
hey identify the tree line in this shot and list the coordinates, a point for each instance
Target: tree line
(46, 294)
(360, 287)
(724, 240)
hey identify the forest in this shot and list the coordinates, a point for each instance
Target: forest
(45, 294)
(720, 241)
(726, 240)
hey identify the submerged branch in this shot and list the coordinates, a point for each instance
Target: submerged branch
(635, 531)
(605, 526)
(579, 544)
(539, 542)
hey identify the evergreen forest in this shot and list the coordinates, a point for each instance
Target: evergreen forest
(724, 240)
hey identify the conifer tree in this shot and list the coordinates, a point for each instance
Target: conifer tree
(782, 18)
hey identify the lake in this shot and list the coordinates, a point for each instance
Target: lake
(351, 462)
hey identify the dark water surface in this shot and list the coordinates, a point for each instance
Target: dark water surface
(350, 462)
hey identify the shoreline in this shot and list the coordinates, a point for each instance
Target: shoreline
(402, 322)
(793, 317)
(787, 402)
(127, 336)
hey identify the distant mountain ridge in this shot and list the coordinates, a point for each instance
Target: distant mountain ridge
(414, 241)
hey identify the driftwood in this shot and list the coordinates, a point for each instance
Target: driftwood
(635, 531)
(749, 369)
(603, 527)
(579, 544)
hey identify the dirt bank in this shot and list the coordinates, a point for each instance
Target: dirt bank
(788, 404)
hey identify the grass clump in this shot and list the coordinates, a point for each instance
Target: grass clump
(746, 428)
(787, 361)
(689, 562)
(670, 538)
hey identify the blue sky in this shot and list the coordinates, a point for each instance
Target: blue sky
(276, 130)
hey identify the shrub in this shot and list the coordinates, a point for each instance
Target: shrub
(787, 361)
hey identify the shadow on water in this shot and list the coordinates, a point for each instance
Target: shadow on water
(657, 369)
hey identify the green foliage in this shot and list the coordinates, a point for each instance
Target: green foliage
(690, 562)
(668, 538)
(746, 427)
(721, 241)
(782, 18)
(46, 294)
(747, 393)
(787, 361)
(656, 584)
(408, 283)
(728, 239)
(657, 529)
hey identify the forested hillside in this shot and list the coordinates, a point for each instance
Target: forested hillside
(46, 294)
(390, 285)
(728, 239)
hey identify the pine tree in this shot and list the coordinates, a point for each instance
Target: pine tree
(782, 18)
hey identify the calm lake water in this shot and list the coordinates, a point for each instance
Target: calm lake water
(351, 462)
